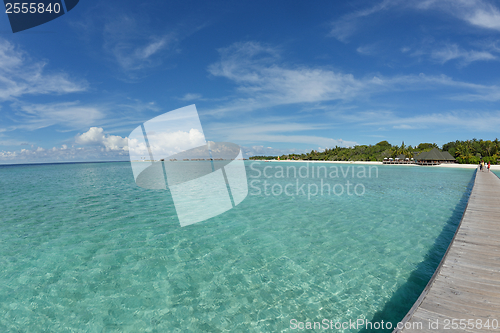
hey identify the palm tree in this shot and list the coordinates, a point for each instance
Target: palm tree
(463, 151)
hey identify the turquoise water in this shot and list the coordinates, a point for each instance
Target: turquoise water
(83, 249)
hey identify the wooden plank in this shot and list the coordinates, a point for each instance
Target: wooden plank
(436, 322)
(474, 273)
(466, 284)
(449, 311)
(485, 277)
(457, 310)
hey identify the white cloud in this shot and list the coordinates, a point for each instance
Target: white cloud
(261, 151)
(254, 68)
(347, 25)
(466, 121)
(462, 90)
(452, 51)
(12, 142)
(486, 18)
(19, 76)
(491, 94)
(479, 13)
(132, 45)
(149, 49)
(95, 137)
(132, 58)
(367, 49)
(190, 97)
(262, 82)
(136, 106)
(61, 154)
(279, 129)
(130, 39)
(270, 151)
(164, 144)
(69, 114)
(169, 143)
(402, 126)
(283, 130)
(115, 142)
(301, 139)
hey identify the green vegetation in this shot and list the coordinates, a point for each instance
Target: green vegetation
(473, 151)
(263, 158)
(356, 153)
(470, 151)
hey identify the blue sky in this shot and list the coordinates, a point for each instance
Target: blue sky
(273, 77)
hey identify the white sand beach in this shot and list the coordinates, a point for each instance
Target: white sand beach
(443, 165)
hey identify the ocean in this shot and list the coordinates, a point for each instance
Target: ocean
(84, 249)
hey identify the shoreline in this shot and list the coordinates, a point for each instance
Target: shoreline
(444, 165)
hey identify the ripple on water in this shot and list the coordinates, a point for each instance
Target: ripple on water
(83, 249)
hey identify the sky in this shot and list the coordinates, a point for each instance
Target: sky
(273, 77)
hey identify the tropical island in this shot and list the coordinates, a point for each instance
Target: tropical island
(465, 152)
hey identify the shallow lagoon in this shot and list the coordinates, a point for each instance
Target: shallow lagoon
(84, 249)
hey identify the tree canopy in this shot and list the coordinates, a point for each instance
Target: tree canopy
(470, 151)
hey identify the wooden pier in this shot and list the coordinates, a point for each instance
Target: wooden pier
(463, 295)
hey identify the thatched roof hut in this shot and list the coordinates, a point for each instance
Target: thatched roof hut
(435, 156)
(448, 156)
(421, 156)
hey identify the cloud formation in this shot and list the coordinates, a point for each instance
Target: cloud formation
(95, 137)
(62, 154)
(347, 25)
(165, 143)
(280, 130)
(269, 151)
(479, 13)
(190, 97)
(93, 145)
(453, 120)
(132, 44)
(254, 68)
(68, 114)
(451, 52)
(262, 82)
(19, 76)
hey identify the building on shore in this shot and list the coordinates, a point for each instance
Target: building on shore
(434, 157)
(400, 159)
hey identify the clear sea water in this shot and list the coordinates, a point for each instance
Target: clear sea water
(83, 249)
